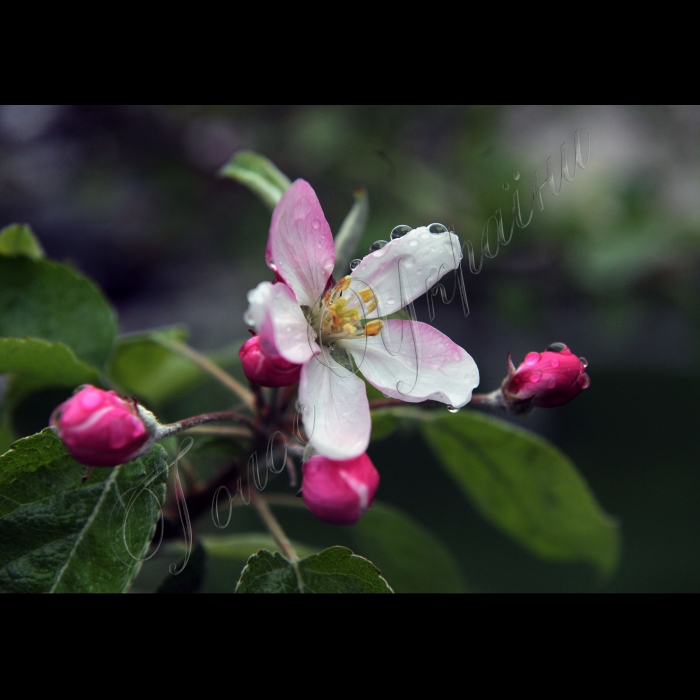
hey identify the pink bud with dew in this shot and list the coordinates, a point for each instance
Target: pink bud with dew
(545, 379)
(100, 429)
(264, 370)
(339, 491)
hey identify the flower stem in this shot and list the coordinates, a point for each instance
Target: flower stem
(273, 526)
(213, 369)
(216, 417)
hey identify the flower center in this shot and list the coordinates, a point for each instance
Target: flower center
(336, 317)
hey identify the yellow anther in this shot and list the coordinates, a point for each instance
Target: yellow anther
(350, 329)
(341, 304)
(366, 294)
(372, 307)
(344, 283)
(373, 328)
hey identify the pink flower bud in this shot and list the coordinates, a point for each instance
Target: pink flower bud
(339, 491)
(264, 370)
(100, 429)
(545, 379)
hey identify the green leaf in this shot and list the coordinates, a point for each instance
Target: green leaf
(350, 232)
(242, 547)
(60, 535)
(258, 174)
(19, 239)
(141, 365)
(334, 570)
(50, 301)
(525, 486)
(413, 559)
(49, 364)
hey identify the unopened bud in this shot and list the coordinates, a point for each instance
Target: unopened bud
(339, 491)
(263, 370)
(545, 379)
(100, 429)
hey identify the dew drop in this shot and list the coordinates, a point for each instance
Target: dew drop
(399, 231)
(535, 376)
(555, 362)
(556, 347)
(437, 229)
(354, 263)
(377, 245)
(391, 302)
(516, 175)
(551, 383)
(532, 358)
(505, 185)
(316, 224)
(583, 361)
(289, 329)
(425, 235)
(453, 409)
(584, 381)
(413, 243)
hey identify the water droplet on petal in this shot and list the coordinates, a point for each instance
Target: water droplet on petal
(425, 235)
(453, 409)
(555, 362)
(551, 383)
(413, 243)
(583, 361)
(391, 302)
(437, 229)
(505, 185)
(354, 263)
(535, 376)
(532, 358)
(289, 329)
(516, 175)
(584, 381)
(377, 245)
(316, 224)
(399, 231)
(556, 347)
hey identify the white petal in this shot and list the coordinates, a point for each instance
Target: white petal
(280, 323)
(406, 268)
(334, 408)
(413, 361)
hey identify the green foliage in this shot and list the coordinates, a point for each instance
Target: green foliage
(259, 174)
(142, 365)
(51, 302)
(350, 233)
(409, 556)
(334, 570)
(242, 547)
(525, 486)
(59, 535)
(19, 239)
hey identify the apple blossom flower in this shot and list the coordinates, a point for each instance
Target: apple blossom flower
(265, 371)
(308, 318)
(545, 380)
(100, 429)
(339, 491)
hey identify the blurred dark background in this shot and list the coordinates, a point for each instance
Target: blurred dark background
(130, 195)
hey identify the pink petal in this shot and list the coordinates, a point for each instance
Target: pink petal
(283, 330)
(413, 361)
(301, 244)
(334, 408)
(406, 268)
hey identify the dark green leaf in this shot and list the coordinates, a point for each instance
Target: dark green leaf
(525, 486)
(60, 535)
(19, 239)
(350, 232)
(51, 302)
(408, 555)
(334, 570)
(49, 364)
(258, 174)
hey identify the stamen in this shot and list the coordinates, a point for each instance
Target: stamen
(366, 294)
(373, 327)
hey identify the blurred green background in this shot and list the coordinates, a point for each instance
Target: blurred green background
(130, 195)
